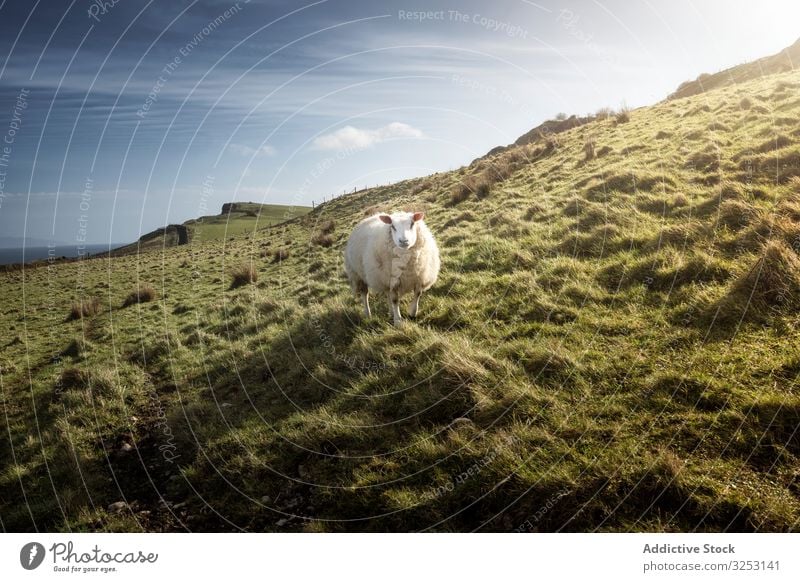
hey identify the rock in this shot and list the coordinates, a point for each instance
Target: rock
(118, 507)
(126, 448)
(266, 499)
(282, 522)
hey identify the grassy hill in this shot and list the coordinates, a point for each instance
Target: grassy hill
(781, 62)
(236, 218)
(241, 218)
(612, 345)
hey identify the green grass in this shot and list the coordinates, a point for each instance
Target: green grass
(247, 218)
(612, 346)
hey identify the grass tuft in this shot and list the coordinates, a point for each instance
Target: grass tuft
(84, 308)
(142, 294)
(244, 274)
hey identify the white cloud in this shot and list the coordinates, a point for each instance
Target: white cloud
(349, 137)
(248, 152)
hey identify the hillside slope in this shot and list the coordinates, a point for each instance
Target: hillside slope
(235, 218)
(786, 60)
(612, 345)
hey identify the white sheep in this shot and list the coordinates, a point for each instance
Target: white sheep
(395, 255)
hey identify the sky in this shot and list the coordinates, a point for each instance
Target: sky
(121, 116)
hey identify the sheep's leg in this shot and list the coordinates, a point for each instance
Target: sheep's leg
(365, 301)
(363, 292)
(412, 309)
(394, 299)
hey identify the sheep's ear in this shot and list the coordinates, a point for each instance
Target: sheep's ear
(418, 216)
(385, 218)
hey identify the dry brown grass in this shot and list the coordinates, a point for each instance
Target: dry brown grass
(323, 240)
(84, 308)
(143, 294)
(373, 210)
(623, 115)
(736, 214)
(773, 283)
(244, 274)
(589, 148)
(326, 227)
(477, 185)
(680, 200)
(421, 186)
(789, 207)
(604, 113)
(706, 161)
(280, 255)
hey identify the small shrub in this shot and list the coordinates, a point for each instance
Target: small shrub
(551, 143)
(470, 185)
(604, 113)
(663, 135)
(84, 308)
(243, 274)
(143, 294)
(623, 115)
(499, 171)
(483, 188)
(745, 103)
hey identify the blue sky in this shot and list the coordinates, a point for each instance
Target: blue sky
(119, 113)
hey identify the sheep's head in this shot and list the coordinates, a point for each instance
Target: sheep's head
(403, 227)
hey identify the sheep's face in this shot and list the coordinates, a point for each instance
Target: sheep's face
(403, 226)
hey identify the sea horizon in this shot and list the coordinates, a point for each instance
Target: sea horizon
(30, 253)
